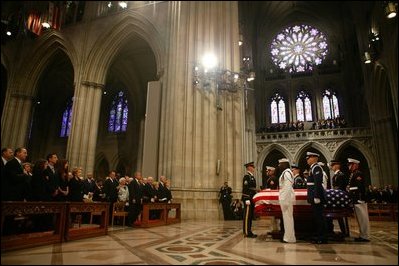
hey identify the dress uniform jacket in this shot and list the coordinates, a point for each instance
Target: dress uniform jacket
(248, 187)
(275, 182)
(357, 188)
(314, 184)
(339, 181)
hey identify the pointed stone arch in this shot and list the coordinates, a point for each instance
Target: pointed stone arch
(43, 50)
(312, 144)
(101, 162)
(107, 46)
(366, 152)
(263, 154)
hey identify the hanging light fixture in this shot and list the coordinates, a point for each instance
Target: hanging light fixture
(390, 10)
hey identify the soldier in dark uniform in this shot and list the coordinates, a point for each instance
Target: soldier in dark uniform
(272, 180)
(357, 191)
(248, 192)
(316, 196)
(299, 182)
(339, 180)
(225, 200)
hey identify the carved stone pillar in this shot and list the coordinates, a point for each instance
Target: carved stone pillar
(16, 119)
(195, 134)
(85, 118)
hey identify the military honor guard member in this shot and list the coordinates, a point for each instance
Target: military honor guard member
(357, 190)
(286, 199)
(316, 196)
(272, 180)
(248, 192)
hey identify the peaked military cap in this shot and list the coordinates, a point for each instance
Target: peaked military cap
(295, 166)
(250, 164)
(310, 154)
(350, 160)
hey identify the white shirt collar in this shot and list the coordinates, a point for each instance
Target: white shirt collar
(4, 160)
(20, 162)
(336, 172)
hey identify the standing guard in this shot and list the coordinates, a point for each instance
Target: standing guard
(248, 192)
(316, 196)
(357, 190)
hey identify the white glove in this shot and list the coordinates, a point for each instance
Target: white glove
(247, 202)
(152, 200)
(316, 200)
(361, 201)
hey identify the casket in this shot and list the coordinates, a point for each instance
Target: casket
(338, 206)
(267, 203)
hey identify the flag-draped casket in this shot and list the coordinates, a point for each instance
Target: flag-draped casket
(267, 203)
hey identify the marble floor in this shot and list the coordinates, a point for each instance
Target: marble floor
(218, 242)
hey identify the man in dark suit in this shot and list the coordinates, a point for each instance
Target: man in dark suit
(89, 185)
(51, 172)
(15, 178)
(135, 198)
(248, 192)
(6, 155)
(110, 190)
(316, 196)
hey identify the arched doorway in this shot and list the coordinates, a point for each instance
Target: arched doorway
(353, 152)
(54, 90)
(131, 68)
(271, 160)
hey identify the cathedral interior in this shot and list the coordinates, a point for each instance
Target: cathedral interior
(193, 90)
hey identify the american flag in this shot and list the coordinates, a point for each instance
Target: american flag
(268, 199)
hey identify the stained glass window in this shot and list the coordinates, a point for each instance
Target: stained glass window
(303, 107)
(66, 120)
(330, 104)
(277, 108)
(299, 48)
(118, 113)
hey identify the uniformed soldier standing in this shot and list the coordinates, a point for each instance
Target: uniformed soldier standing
(248, 192)
(316, 196)
(339, 181)
(272, 180)
(357, 190)
(225, 200)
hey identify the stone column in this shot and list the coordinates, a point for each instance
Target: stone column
(194, 134)
(387, 152)
(16, 118)
(85, 118)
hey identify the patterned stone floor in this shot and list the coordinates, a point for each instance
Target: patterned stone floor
(219, 242)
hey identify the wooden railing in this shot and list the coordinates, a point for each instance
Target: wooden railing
(155, 214)
(383, 211)
(14, 228)
(31, 224)
(56, 222)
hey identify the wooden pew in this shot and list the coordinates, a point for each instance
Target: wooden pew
(163, 216)
(55, 216)
(19, 212)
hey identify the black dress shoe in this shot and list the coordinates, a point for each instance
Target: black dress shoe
(359, 239)
(320, 242)
(251, 236)
(283, 241)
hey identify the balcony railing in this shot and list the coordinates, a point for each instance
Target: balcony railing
(337, 133)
